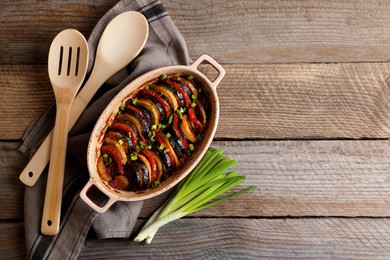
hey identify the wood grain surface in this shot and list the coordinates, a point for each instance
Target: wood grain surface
(299, 101)
(304, 111)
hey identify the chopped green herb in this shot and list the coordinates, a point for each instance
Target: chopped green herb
(170, 119)
(161, 147)
(155, 184)
(163, 76)
(190, 77)
(122, 107)
(168, 135)
(193, 104)
(149, 147)
(133, 157)
(194, 97)
(161, 126)
(137, 149)
(141, 145)
(106, 159)
(135, 100)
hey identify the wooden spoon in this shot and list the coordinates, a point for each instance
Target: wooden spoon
(67, 65)
(121, 42)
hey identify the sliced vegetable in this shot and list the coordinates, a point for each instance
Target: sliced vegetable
(188, 129)
(127, 129)
(103, 170)
(154, 133)
(113, 153)
(163, 90)
(148, 104)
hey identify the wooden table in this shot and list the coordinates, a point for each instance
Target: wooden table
(305, 109)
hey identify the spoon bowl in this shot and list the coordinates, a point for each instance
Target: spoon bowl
(121, 42)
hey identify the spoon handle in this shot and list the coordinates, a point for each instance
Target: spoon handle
(52, 207)
(38, 162)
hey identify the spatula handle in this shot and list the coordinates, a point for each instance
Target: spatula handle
(38, 162)
(53, 197)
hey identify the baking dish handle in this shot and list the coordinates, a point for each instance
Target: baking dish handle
(212, 62)
(92, 204)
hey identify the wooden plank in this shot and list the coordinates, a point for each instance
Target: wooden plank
(285, 31)
(307, 178)
(233, 31)
(25, 92)
(305, 101)
(28, 27)
(216, 238)
(12, 243)
(257, 101)
(293, 178)
(315, 238)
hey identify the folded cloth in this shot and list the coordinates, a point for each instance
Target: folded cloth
(165, 46)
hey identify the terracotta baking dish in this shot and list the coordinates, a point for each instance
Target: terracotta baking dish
(109, 113)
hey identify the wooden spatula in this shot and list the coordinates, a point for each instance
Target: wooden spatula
(67, 66)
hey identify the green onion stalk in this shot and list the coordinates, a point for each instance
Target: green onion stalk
(199, 190)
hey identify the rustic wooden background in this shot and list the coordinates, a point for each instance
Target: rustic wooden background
(305, 109)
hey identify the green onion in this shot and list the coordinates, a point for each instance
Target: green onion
(135, 100)
(120, 141)
(106, 159)
(199, 190)
(161, 147)
(122, 107)
(190, 77)
(163, 76)
(192, 147)
(155, 184)
(137, 148)
(133, 157)
(170, 119)
(168, 135)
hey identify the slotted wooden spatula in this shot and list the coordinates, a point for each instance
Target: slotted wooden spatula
(67, 66)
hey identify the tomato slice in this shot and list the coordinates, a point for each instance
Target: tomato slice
(169, 94)
(178, 88)
(139, 114)
(161, 138)
(152, 162)
(127, 129)
(195, 121)
(137, 124)
(112, 152)
(160, 169)
(154, 94)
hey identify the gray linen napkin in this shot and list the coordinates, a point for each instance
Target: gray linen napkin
(165, 46)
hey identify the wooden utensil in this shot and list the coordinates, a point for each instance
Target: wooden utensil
(67, 66)
(122, 40)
